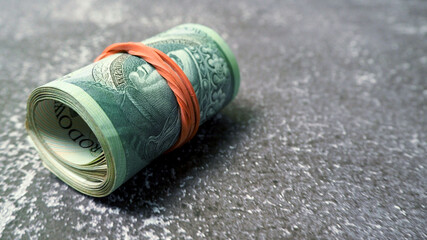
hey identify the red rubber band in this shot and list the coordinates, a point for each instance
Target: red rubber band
(175, 78)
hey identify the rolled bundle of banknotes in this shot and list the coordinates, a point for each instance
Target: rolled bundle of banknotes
(96, 127)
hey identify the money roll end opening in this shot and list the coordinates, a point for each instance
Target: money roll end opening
(70, 142)
(65, 133)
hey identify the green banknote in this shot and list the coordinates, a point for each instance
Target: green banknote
(96, 127)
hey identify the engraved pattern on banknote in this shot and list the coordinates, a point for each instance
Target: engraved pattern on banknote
(116, 70)
(101, 72)
(213, 76)
(159, 143)
(148, 81)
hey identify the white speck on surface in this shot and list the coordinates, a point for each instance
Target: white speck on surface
(410, 29)
(156, 220)
(10, 205)
(365, 78)
(83, 12)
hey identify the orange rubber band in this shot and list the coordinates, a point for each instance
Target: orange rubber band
(175, 78)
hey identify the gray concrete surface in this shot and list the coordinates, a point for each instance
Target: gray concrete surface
(326, 139)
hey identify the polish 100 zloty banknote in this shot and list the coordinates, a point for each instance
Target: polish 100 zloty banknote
(96, 127)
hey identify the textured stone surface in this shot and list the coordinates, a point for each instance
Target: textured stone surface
(327, 137)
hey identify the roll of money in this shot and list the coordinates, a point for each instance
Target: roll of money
(98, 126)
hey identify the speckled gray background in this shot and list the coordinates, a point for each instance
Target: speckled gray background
(326, 139)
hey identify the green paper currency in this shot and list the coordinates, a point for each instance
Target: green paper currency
(96, 127)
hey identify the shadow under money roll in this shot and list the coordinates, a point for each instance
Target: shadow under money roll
(96, 127)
